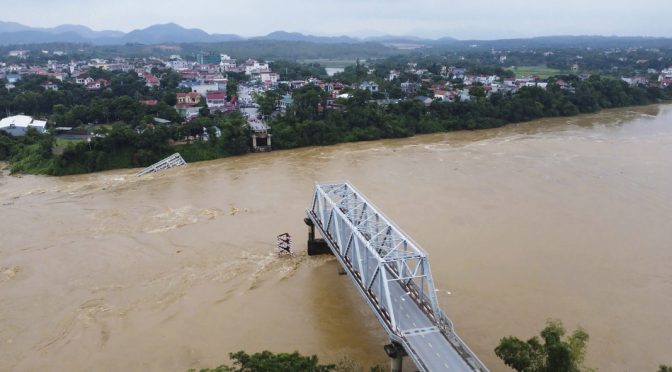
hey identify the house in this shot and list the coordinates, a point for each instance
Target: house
(151, 80)
(425, 100)
(215, 99)
(84, 80)
(48, 85)
(295, 84)
(458, 73)
(150, 102)
(370, 86)
(187, 111)
(269, 77)
(440, 94)
(285, 102)
(394, 74)
(98, 84)
(253, 67)
(204, 88)
(665, 75)
(635, 81)
(23, 54)
(408, 88)
(179, 65)
(13, 78)
(18, 125)
(191, 98)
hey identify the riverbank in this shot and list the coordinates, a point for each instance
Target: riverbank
(82, 158)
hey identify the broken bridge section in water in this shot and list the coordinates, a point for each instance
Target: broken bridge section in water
(392, 274)
(174, 160)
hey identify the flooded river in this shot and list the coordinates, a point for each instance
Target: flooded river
(560, 218)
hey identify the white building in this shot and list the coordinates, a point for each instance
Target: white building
(203, 89)
(253, 67)
(18, 53)
(271, 77)
(370, 86)
(18, 125)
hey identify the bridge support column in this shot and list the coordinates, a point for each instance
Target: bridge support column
(316, 247)
(396, 353)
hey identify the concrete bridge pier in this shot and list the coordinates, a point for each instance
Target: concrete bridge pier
(396, 353)
(316, 247)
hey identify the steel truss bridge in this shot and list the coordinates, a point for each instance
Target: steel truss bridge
(392, 273)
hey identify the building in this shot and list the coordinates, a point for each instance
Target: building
(13, 78)
(18, 125)
(191, 98)
(151, 81)
(98, 84)
(208, 58)
(204, 88)
(23, 54)
(370, 86)
(269, 78)
(408, 88)
(215, 99)
(187, 111)
(48, 85)
(394, 74)
(285, 102)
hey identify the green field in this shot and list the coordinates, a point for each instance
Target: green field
(542, 71)
(335, 63)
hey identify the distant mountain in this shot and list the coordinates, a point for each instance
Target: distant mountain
(16, 33)
(169, 32)
(39, 37)
(295, 36)
(12, 33)
(13, 27)
(86, 32)
(396, 39)
(571, 41)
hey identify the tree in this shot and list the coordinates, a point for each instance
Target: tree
(270, 362)
(664, 368)
(554, 355)
(281, 362)
(267, 101)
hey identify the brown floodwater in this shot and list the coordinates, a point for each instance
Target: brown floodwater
(567, 218)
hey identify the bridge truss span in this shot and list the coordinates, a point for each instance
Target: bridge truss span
(393, 275)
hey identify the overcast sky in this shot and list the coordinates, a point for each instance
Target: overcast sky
(487, 19)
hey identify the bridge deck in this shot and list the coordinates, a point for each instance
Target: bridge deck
(392, 274)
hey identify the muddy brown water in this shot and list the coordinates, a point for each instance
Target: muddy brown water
(565, 218)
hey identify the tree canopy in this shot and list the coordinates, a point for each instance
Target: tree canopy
(548, 353)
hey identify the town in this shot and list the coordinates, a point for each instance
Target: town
(196, 98)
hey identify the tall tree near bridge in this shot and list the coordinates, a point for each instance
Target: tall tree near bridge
(554, 355)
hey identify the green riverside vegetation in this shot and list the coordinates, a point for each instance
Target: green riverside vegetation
(308, 123)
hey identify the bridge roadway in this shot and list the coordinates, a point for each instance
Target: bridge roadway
(401, 295)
